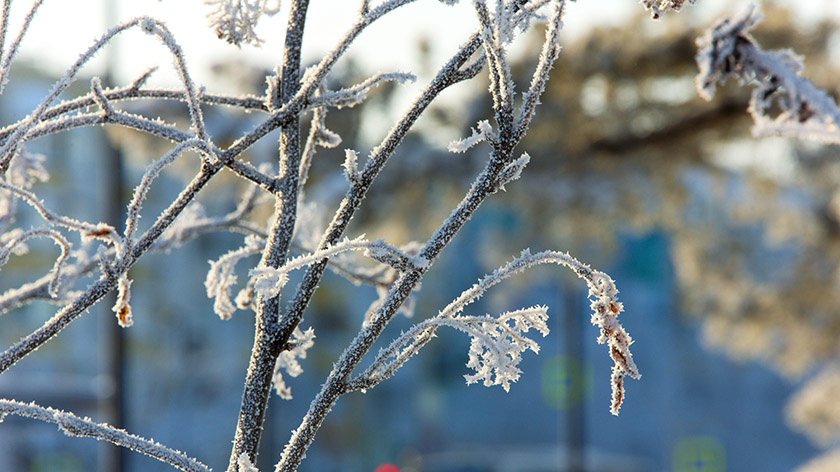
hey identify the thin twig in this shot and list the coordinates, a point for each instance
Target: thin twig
(72, 425)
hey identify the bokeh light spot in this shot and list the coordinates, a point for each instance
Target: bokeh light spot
(387, 468)
(565, 382)
(699, 454)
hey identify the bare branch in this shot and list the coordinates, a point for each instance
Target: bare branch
(9, 55)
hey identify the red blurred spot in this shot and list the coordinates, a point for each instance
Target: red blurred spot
(387, 468)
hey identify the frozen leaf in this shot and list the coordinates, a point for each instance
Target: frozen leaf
(122, 308)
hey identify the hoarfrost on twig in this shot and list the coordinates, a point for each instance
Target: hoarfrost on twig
(496, 345)
(72, 425)
(222, 276)
(728, 50)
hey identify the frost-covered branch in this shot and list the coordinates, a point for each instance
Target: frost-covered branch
(72, 425)
(148, 25)
(268, 281)
(142, 189)
(548, 56)
(728, 50)
(8, 55)
(286, 86)
(352, 96)
(14, 242)
(484, 185)
(495, 349)
(87, 230)
(605, 310)
(280, 342)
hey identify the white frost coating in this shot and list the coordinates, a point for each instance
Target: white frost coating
(513, 170)
(235, 20)
(100, 230)
(151, 173)
(351, 169)
(244, 464)
(497, 345)
(288, 361)
(9, 54)
(728, 50)
(479, 134)
(420, 262)
(222, 276)
(72, 425)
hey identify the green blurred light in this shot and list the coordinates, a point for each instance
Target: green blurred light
(699, 454)
(565, 382)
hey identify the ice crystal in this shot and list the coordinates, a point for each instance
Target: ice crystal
(235, 20)
(221, 277)
(244, 464)
(288, 361)
(497, 344)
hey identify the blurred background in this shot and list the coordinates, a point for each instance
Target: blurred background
(726, 250)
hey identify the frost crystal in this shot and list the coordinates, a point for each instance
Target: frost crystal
(235, 20)
(479, 134)
(497, 344)
(513, 170)
(287, 361)
(244, 463)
